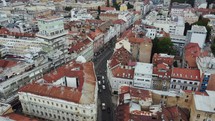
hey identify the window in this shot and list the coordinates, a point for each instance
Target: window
(61, 105)
(186, 100)
(76, 109)
(83, 111)
(71, 107)
(198, 116)
(91, 111)
(52, 103)
(66, 106)
(58, 117)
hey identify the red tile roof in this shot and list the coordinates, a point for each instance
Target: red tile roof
(122, 112)
(123, 73)
(83, 72)
(123, 109)
(95, 21)
(128, 33)
(4, 31)
(192, 50)
(79, 46)
(162, 70)
(121, 56)
(140, 40)
(94, 34)
(18, 117)
(205, 10)
(185, 73)
(7, 63)
(175, 113)
(119, 21)
(158, 58)
(103, 8)
(140, 93)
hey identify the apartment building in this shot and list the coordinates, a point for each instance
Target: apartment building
(20, 44)
(197, 34)
(143, 75)
(206, 66)
(120, 69)
(66, 94)
(185, 79)
(51, 30)
(177, 9)
(141, 48)
(202, 107)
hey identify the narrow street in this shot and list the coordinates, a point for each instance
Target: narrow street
(105, 95)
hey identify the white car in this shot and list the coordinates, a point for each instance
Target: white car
(99, 82)
(103, 86)
(103, 106)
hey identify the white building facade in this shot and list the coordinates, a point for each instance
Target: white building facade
(185, 79)
(197, 35)
(71, 97)
(143, 75)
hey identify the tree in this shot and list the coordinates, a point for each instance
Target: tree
(186, 28)
(129, 6)
(175, 64)
(99, 10)
(213, 48)
(116, 6)
(108, 3)
(165, 46)
(68, 8)
(154, 47)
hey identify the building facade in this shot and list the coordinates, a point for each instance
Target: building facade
(67, 94)
(197, 34)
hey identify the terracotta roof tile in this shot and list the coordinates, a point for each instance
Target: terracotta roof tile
(119, 21)
(7, 63)
(192, 50)
(83, 72)
(121, 56)
(140, 40)
(158, 58)
(18, 117)
(123, 73)
(4, 31)
(185, 73)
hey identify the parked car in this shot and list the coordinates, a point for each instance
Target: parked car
(103, 87)
(99, 82)
(103, 106)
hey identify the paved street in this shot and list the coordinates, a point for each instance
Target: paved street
(105, 94)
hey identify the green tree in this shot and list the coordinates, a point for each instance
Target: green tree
(154, 47)
(213, 49)
(186, 28)
(99, 10)
(165, 46)
(116, 5)
(175, 64)
(129, 6)
(108, 3)
(68, 8)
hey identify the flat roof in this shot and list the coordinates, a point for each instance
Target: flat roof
(144, 68)
(205, 103)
